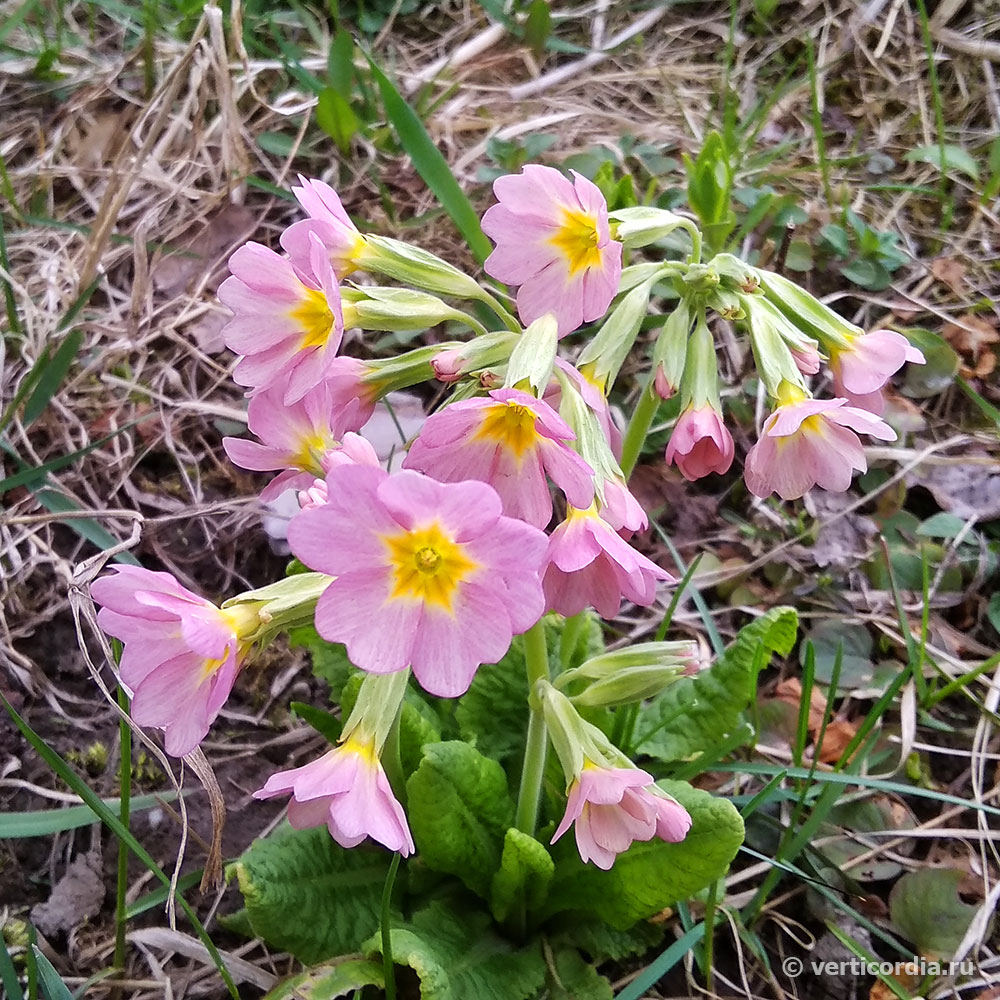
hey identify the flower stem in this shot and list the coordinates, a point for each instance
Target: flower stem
(505, 317)
(638, 427)
(536, 660)
(573, 629)
(124, 794)
(386, 927)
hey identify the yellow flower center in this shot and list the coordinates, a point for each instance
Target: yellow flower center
(577, 240)
(510, 425)
(427, 565)
(312, 448)
(315, 318)
(364, 748)
(790, 393)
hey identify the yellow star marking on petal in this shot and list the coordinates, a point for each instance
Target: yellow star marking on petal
(315, 317)
(577, 240)
(312, 448)
(511, 425)
(427, 565)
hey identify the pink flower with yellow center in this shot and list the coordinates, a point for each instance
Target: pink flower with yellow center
(296, 438)
(700, 443)
(589, 565)
(612, 807)
(283, 325)
(347, 790)
(329, 223)
(810, 442)
(552, 238)
(509, 440)
(861, 369)
(429, 575)
(181, 653)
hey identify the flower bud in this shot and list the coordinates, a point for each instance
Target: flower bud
(671, 350)
(642, 225)
(534, 354)
(454, 361)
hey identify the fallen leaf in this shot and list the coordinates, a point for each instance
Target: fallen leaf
(77, 896)
(907, 974)
(971, 334)
(967, 490)
(790, 692)
(951, 272)
(836, 739)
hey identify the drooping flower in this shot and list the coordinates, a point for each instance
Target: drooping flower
(863, 367)
(329, 223)
(346, 789)
(700, 443)
(589, 565)
(297, 438)
(181, 653)
(552, 238)
(810, 442)
(284, 325)
(613, 806)
(509, 440)
(429, 575)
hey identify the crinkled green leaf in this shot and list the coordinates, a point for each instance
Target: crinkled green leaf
(493, 713)
(459, 810)
(417, 728)
(651, 875)
(526, 869)
(601, 942)
(572, 978)
(332, 979)
(308, 895)
(696, 713)
(458, 956)
(926, 909)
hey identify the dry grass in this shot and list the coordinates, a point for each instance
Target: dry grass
(105, 180)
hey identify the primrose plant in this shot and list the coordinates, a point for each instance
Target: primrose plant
(416, 582)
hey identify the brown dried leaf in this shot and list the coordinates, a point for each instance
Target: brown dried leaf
(971, 334)
(790, 692)
(951, 272)
(907, 974)
(838, 735)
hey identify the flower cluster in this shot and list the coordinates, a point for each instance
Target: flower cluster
(512, 501)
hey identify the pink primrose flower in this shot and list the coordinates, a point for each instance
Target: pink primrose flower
(810, 442)
(327, 222)
(612, 807)
(589, 565)
(298, 437)
(181, 653)
(429, 575)
(346, 789)
(509, 440)
(552, 239)
(700, 443)
(283, 326)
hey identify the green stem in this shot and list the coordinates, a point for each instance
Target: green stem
(505, 317)
(388, 967)
(695, 233)
(124, 793)
(536, 659)
(638, 427)
(569, 642)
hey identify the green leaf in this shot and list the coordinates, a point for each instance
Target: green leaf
(417, 728)
(336, 118)
(867, 274)
(85, 526)
(926, 908)
(538, 27)
(308, 895)
(993, 611)
(457, 956)
(695, 713)
(828, 637)
(43, 822)
(710, 181)
(651, 875)
(340, 63)
(493, 713)
(325, 723)
(836, 238)
(329, 659)
(52, 984)
(459, 811)
(938, 373)
(572, 978)
(945, 158)
(52, 376)
(432, 166)
(276, 143)
(8, 974)
(601, 942)
(526, 869)
(332, 979)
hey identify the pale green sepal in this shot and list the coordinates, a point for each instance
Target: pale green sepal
(261, 614)
(830, 329)
(375, 711)
(534, 354)
(670, 351)
(413, 266)
(641, 225)
(700, 385)
(607, 352)
(377, 307)
(774, 360)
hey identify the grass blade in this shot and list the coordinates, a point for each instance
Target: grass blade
(60, 768)
(50, 378)
(55, 988)
(431, 165)
(8, 974)
(658, 968)
(43, 822)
